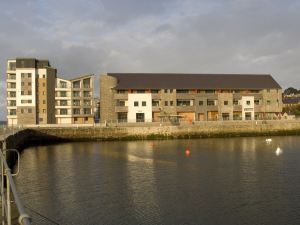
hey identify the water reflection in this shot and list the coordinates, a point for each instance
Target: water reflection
(223, 181)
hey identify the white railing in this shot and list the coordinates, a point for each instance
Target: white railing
(9, 192)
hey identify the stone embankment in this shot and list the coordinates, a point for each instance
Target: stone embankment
(50, 134)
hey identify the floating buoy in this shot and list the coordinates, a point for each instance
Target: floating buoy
(278, 151)
(187, 152)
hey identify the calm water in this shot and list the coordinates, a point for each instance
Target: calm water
(223, 181)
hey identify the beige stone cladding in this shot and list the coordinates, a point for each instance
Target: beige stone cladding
(26, 115)
(108, 98)
(167, 105)
(225, 106)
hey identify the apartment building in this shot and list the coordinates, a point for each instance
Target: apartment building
(30, 91)
(129, 97)
(74, 100)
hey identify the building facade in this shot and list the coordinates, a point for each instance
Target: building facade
(191, 97)
(36, 96)
(30, 91)
(74, 100)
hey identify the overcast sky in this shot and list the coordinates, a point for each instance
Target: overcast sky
(188, 36)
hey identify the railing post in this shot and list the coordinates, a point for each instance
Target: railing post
(8, 198)
(2, 191)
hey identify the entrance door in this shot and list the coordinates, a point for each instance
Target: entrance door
(140, 117)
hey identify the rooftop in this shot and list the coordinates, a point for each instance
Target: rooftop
(194, 81)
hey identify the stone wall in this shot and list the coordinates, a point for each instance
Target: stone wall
(197, 130)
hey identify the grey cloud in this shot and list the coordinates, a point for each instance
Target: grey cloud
(234, 36)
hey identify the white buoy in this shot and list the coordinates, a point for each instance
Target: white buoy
(278, 151)
(268, 140)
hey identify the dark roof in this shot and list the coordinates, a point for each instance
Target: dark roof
(291, 100)
(193, 81)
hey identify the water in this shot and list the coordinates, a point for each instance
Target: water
(223, 181)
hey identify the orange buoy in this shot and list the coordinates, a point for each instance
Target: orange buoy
(187, 152)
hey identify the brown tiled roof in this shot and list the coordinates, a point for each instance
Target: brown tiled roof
(194, 81)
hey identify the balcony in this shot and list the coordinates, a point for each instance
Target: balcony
(121, 108)
(185, 96)
(185, 108)
(11, 77)
(121, 96)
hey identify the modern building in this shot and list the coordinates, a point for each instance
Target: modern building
(142, 97)
(74, 100)
(36, 96)
(30, 91)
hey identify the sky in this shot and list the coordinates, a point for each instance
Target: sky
(182, 36)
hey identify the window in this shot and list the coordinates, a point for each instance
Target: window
(63, 94)
(29, 101)
(29, 75)
(44, 101)
(44, 110)
(182, 91)
(140, 91)
(29, 92)
(86, 119)
(166, 103)
(248, 102)
(200, 102)
(44, 84)
(166, 90)
(183, 103)
(76, 94)
(143, 103)
(41, 119)
(76, 102)
(44, 76)
(122, 117)
(22, 111)
(171, 90)
(225, 102)
(22, 75)
(75, 119)
(86, 94)
(154, 91)
(29, 83)
(136, 104)
(87, 111)
(22, 92)
(76, 84)
(235, 102)
(209, 91)
(171, 103)
(155, 103)
(76, 111)
(63, 102)
(269, 102)
(121, 91)
(29, 110)
(256, 102)
(120, 103)
(211, 102)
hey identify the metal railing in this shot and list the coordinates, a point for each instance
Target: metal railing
(9, 191)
